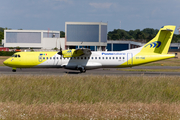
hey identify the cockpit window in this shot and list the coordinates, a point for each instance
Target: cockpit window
(16, 55)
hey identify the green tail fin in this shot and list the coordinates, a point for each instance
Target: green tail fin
(160, 44)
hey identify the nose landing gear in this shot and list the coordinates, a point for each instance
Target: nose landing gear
(13, 69)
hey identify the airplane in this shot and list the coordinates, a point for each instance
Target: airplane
(84, 59)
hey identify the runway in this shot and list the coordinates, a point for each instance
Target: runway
(102, 71)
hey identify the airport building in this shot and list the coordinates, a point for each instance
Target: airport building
(92, 35)
(119, 45)
(35, 39)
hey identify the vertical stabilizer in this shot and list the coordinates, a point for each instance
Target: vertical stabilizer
(160, 44)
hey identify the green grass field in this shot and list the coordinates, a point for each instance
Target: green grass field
(89, 97)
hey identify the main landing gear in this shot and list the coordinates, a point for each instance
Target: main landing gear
(82, 70)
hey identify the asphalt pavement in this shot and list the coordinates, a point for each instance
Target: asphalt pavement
(102, 71)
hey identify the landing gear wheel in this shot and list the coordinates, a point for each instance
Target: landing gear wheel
(84, 71)
(81, 70)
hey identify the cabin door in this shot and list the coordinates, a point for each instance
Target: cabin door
(57, 59)
(129, 58)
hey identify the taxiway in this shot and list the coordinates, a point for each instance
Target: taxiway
(102, 71)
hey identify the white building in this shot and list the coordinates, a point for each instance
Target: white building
(35, 39)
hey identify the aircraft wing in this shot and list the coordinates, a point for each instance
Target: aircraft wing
(76, 52)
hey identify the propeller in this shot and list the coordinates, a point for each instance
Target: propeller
(60, 49)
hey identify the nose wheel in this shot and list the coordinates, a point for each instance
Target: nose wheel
(13, 69)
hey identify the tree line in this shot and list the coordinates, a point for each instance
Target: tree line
(144, 35)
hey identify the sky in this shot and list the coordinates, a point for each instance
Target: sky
(119, 14)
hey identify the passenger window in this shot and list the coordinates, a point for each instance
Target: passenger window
(47, 58)
(116, 57)
(81, 57)
(15, 55)
(119, 57)
(99, 57)
(74, 57)
(19, 56)
(106, 57)
(53, 57)
(50, 57)
(113, 58)
(123, 57)
(95, 57)
(84, 57)
(77, 57)
(57, 57)
(88, 57)
(60, 58)
(102, 57)
(91, 57)
(44, 58)
(109, 57)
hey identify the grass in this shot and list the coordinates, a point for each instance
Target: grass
(88, 89)
(89, 97)
(167, 62)
(151, 70)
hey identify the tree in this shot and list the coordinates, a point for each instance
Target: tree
(62, 34)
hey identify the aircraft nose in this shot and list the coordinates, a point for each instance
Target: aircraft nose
(5, 62)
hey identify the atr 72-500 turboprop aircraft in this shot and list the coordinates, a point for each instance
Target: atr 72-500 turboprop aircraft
(83, 59)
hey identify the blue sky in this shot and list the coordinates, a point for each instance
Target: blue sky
(124, 14)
